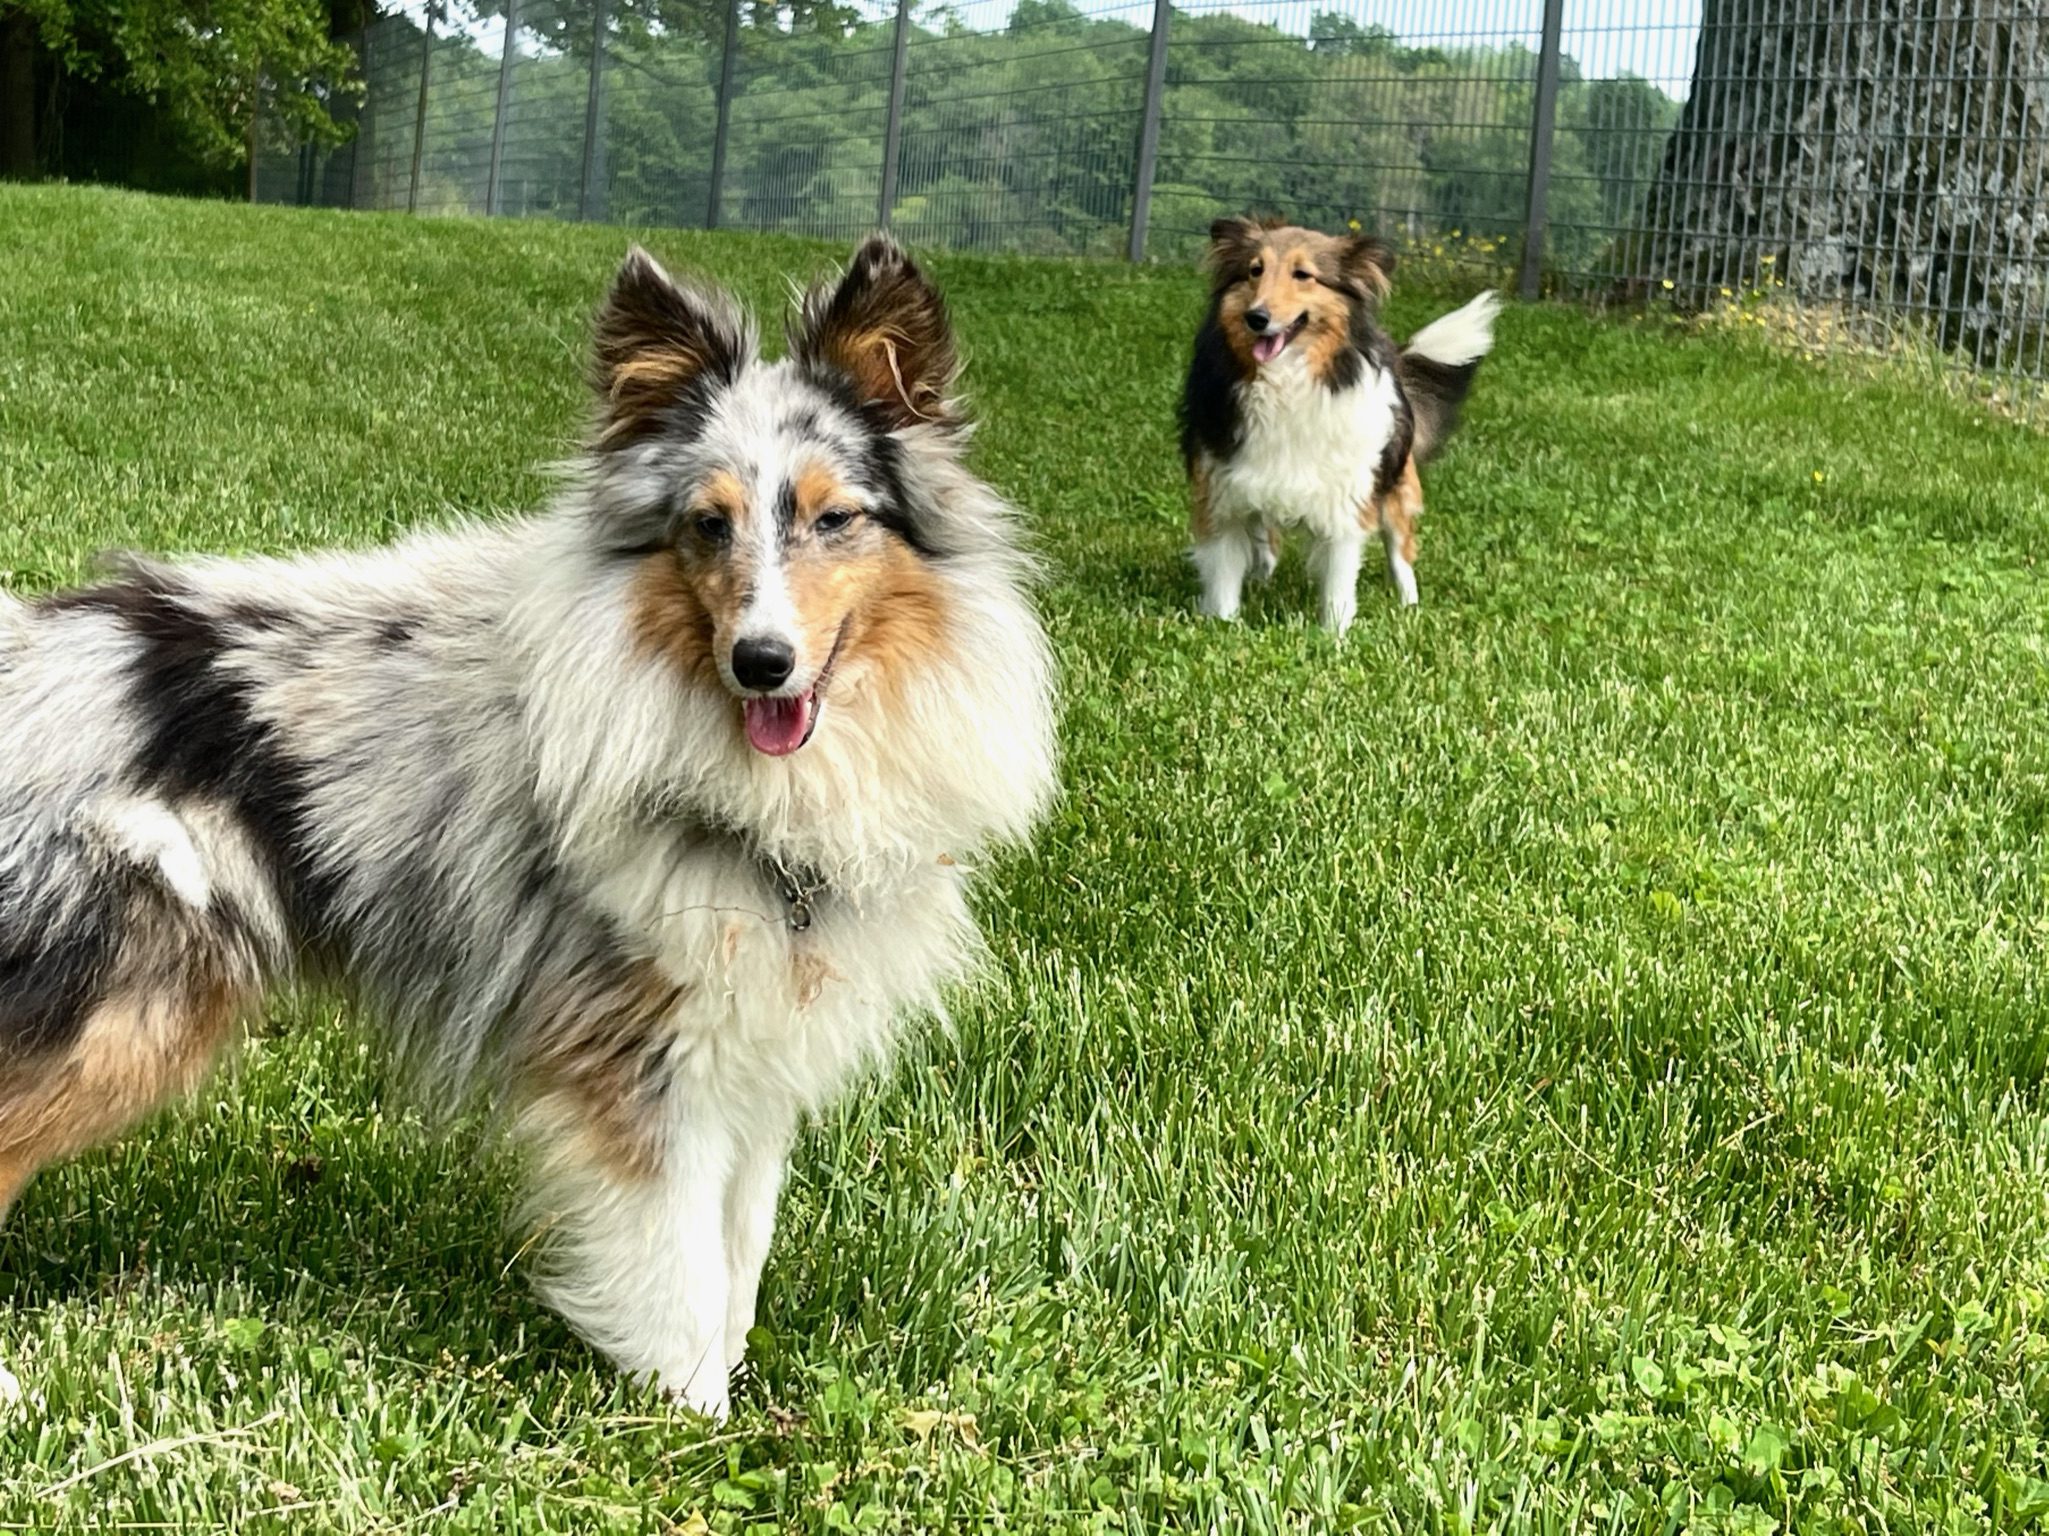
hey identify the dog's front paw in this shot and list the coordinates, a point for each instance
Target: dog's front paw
(716, 1406)
(705, 1389)
(738, 1325)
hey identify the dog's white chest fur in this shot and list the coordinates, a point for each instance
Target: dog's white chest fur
(771, 1013)
(1309, 453)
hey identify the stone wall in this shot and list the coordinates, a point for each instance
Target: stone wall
(1884, 152)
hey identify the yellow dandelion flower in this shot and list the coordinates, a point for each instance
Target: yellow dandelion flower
(1819, 477)
(1667, 284)
(1767, 260)
(1352, 224)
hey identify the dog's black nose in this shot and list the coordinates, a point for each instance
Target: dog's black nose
(1256, 320)
(762, 664)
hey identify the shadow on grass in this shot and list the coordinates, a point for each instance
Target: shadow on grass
(402, 1242)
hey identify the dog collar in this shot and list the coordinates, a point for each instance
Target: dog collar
(800, 887)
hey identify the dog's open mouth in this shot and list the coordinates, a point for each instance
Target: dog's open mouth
(779, 726)
(1267, 346)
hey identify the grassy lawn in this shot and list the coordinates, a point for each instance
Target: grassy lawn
(1571, 1059)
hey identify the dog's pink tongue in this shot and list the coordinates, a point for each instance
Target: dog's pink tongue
(777, 726)
(1268, 347)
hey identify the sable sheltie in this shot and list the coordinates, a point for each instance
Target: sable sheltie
(648, 818)
(1299, 412)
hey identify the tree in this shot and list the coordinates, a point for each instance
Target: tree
(1332, 33)
(18, 49)
(216, 69)
(1625, 123)
(566, 28)
(1873, 150)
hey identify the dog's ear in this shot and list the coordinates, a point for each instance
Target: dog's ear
(1366, 264)
(884, 327)
(1234, 229)
(1233, 242)
(659, 345)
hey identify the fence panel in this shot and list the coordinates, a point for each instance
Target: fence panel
(657, 113)
(540, 170)
(1411, 118)
(1873, 163)
(1024, 137)
(1616, 114)
(383, 148)
(804, 145)
(1860, 160)
(461, 108)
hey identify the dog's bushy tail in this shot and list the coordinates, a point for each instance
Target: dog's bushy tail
(1437, 368)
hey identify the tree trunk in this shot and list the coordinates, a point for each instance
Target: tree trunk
(1884, 152)
(18, 49)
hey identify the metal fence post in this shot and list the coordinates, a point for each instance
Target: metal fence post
(505, 55)
(893, 124)
(593, 114)
(420, 113)
(718, 142)
(1542, 119)
(1149, 129)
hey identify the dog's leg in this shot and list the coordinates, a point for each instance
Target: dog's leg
(1401, 564)
(695, 1276)
(13, 1176)
(751, 1196)
(1266, 553)
(1222, 560)
(633, 1154)
(1399, 509)
(129, 1057)
(1335, 560)
(1222, 550)
(637, 1256)
(168, 993)
(15, 1173)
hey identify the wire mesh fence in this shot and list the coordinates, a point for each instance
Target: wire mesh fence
(1843, 158)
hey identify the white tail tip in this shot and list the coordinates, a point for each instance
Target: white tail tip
(1461, 337)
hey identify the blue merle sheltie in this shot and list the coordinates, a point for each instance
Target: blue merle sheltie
(1299, 412)
(646, 819)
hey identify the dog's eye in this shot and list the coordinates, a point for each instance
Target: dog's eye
(1301, 276)
(1257, 268)
(712, 528)
(834, 520)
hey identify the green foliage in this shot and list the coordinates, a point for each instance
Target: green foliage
(1023, 137)
(215, 66)
(1567, 1059)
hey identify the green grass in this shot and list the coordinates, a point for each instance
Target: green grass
(1569, 1059)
